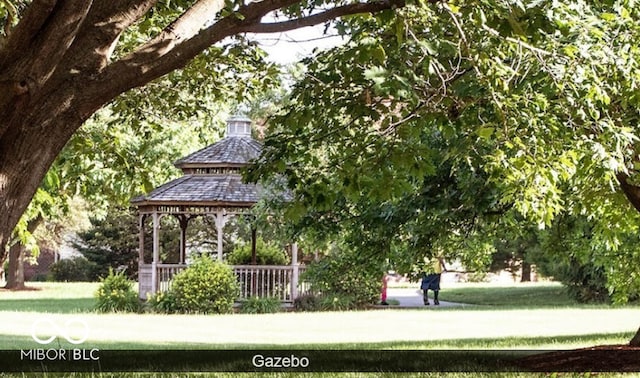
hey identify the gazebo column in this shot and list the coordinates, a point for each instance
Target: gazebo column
(295, 275)
(156, 253)
(141, 220)
(220, 222)
(184, 222)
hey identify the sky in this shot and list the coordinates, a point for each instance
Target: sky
(290, 47)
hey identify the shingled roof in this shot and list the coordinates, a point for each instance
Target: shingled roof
(222, 186)
(233, 151)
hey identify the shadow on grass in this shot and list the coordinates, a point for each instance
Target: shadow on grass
(57, 306)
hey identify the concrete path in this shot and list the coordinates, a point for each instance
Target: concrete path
(412, 297)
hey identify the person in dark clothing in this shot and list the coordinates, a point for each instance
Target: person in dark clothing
(431, 280)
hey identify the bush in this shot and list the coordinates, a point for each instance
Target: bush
(307, 302)
(72, 270)
(164, 303)
(205, 287)
(343, 276)
(256, 305)
(116, 294)
(266, 254)
(585, 283)
(42, 277)
(337, 302)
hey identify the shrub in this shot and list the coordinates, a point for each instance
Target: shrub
(585, 283)
(72, 270)
(337, 302)
(205, 287)
(164, 302)
(266, 254)
(343, 275)
(116, 294)
(256, 305)
(307, 302)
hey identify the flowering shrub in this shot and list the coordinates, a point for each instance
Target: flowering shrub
(205, 287)
(164, 302)
(116, 294)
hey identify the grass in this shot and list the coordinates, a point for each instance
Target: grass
(51, 297)
(533, 316)
(547, 294)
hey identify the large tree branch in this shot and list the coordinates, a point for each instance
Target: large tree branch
(191, 21)
(27, 28)
(163, 55)
(100, 32)
(632, 192)
(33, 63)
(320, 18)
(53, 40)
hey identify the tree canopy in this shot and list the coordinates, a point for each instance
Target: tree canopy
(62, 60)
(523, 109)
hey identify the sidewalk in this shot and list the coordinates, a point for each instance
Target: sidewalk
(412, 297)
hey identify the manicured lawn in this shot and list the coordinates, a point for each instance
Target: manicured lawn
(51, 297)
(498, 321)
(545, 294)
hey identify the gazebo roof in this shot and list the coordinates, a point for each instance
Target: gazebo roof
(232, 151)
(219, 190)
(211, 176)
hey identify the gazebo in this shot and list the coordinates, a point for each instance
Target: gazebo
(211, 186)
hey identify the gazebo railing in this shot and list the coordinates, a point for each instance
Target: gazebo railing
(279, 281)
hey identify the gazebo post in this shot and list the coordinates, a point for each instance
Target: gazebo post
(184, 223)
(220, 221)
(156, 253)
(141, 220)
(295, 271)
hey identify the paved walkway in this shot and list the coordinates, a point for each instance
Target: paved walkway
(412, 297)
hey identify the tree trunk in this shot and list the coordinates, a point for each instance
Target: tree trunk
(635, 341)
(15, 273)
(526, 272)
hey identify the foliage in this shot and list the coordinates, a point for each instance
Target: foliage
(346, 276)
(492, 109)
(338, 302)
(206, 286)
(162, 302)
(111, 243)
(307, 302)
(73, 270)
(566, 253)
(256, 305)
(116, 294)
(266, 254)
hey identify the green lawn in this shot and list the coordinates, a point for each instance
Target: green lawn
(51, 297)
(503, 317)
(508, 317)
(544, 294)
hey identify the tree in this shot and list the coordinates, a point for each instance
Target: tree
(63, 60)
(540, 97)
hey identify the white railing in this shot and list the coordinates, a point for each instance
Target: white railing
(166, 273)
(279, 281)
